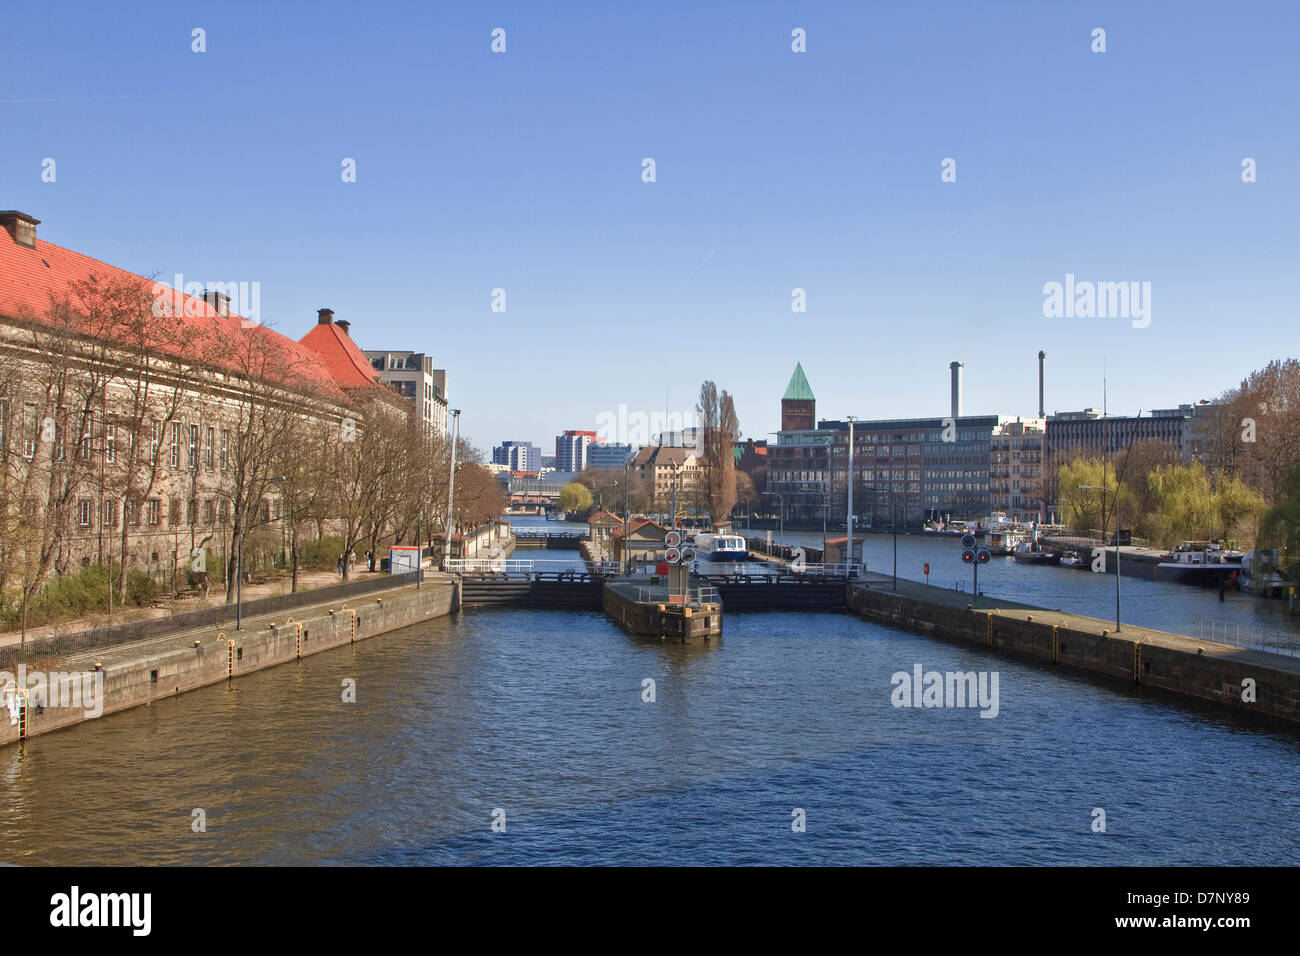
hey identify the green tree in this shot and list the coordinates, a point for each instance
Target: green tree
(1280, 526)
(575, 497)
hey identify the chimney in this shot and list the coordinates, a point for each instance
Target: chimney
(344, 324)
(219, 301)
(1041, 412)
(956, 368)
(324, 316)
(20, 226)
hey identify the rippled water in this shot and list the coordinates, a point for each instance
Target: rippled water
(540, 713)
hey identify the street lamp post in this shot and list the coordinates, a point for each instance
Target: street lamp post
(1103, 532)
(451, 486)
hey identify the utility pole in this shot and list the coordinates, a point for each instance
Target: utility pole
(451, 485)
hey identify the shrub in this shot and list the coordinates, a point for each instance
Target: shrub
(140, 588)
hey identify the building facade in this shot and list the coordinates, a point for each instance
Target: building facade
(130, 413)
(905, 471)
(412, 375)
(571, 450)
(667, 468)
(607, 455)
(518, 456)
(1017, 470)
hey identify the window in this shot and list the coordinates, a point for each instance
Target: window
(266, 510)
(225, 448)
(132, 512)
(86, 445)
(29, 430)
(173, 512)
(192, 511)
(85, 512)
(193, 461)
(209, 511)
(110, 437)
(175, 457)
(155, 511)
(155, 433)
(224, 511)
(110, 513)
(60, 438)
(207, 453)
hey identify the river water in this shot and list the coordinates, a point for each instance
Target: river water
(1179, 608)
(541, 714)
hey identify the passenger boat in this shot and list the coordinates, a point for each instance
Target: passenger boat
(1072, 559)
(721, 547)
(1200, 562)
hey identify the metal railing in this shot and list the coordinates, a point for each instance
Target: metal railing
(849, 569)
(692, 597)
(1249, 636)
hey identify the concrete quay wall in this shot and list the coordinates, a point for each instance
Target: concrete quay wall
(133, 675)
(1217, 673)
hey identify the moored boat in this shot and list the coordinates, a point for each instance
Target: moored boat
(1259, 573)
(1028, 552)
(721, 547)
(1200, 562)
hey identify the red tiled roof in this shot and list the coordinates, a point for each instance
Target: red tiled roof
(604, 514)
(33, 279)
(636, 526)
(347, 363)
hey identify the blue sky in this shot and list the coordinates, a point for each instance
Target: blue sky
(775, 170)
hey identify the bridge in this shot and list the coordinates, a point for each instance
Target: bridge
(540, 538)
(541, 584)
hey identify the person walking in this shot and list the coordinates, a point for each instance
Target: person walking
(340, 564)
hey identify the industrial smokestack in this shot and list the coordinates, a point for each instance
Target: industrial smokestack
(1041, 410)
(956, 368)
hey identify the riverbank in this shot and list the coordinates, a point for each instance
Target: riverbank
(1234, 677)
(106, 680)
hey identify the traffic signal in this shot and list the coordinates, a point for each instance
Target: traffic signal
(982, 557)
(967, 556)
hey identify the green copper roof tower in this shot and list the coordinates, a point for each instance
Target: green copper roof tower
(798, 406)
(798, 389)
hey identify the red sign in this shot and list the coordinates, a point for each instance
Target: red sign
(661, 567)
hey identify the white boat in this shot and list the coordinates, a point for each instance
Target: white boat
(1259, 573)
(1200, 562)
(1005, 542)
(721, 547)
(1072, 559)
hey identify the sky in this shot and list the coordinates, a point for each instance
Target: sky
(775, 170)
